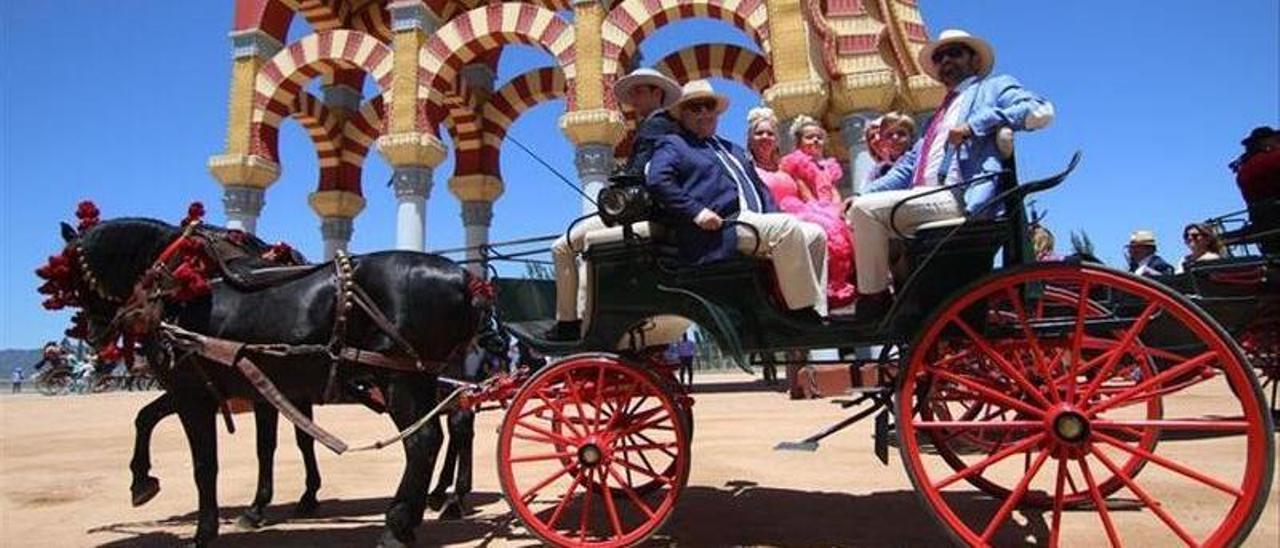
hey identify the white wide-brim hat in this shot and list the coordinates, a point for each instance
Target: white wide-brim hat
(648, 77)
(1142, 237)
(700, 89)
(980, 47)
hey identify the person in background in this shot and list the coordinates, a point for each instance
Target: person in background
(17, 379)
(685, 352)
(888, 138)
(1202, 243)
(1141, 254)
(1042, 242)
(1258, 176)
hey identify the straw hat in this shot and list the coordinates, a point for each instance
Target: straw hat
(1142, 237)
(700, 89)
(980, 47)
(648, 77)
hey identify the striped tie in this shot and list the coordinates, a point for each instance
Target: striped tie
(746, 188)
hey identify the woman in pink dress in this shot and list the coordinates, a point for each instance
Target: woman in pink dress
(804, 184)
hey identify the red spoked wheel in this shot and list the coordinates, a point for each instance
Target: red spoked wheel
(1074, 399)
(593, 452)
(1261, 344)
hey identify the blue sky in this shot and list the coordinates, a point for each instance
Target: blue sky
(124, 106)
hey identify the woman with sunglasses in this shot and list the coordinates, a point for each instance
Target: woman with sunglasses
(1203, 244)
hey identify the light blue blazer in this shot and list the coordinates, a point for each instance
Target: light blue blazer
(997, 101)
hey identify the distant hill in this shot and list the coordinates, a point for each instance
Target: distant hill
(13, 357)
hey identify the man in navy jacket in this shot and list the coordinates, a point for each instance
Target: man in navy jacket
(702, 181)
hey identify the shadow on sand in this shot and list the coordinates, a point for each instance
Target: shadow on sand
(740, 513)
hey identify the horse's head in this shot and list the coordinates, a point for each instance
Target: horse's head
(99, 268)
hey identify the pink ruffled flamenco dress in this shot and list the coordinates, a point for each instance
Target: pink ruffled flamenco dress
(820, 179)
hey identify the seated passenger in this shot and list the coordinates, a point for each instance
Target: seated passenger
(803, 184)
(1142, 258)
(700, 181)
(888, 138)
(820, 177)
(649, 93)
(959, 145)
(1042, 243)
(1203, 244)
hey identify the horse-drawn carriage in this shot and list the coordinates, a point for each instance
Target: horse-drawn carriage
(1051, 387)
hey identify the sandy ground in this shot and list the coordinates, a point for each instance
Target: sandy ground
(64, 482)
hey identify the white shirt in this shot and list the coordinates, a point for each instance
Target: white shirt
(953, 117)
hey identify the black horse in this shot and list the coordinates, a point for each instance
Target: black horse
(427, 303)
(249, 253)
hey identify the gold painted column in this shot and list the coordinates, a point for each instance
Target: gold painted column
(591, 126)
(244, 176)
(412, 151)
(477, 192)
(337, 210)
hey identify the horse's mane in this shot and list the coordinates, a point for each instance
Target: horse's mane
(118, 251)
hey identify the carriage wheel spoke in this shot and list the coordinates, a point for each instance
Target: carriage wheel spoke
(1201, 360)
(1103, 513)
(559, 413)
(990, 394)
(624, 403)
(576, 395)
(1077, 340)
(1174, 424)
(584, 515)
(610, 505)
(987, 462)
(974, 425)
(1171, 465)
(654, 475)
(599, 402)
(564, 501)
(1058, 499)
(1036, 350)
(554, 436)
(542, 457)
(533, 491)
(538, 439)
(1002, 363)
(649, 446)
(1122, 349)
(631, 493)
(650, 440)
(1151, 503)
(1014, 498)
(651, 423)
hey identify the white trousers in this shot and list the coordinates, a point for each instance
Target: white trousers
(798, 251)
(870, 219)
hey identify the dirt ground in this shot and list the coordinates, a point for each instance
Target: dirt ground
(64, 482)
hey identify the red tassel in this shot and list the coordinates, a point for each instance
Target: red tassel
(195, 212)
(88, 214)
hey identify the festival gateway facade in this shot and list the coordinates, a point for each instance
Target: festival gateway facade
(433, 64)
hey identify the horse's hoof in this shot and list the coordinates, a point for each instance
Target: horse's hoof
(452, 511)
(305, 508)
(144, 491)
(250, 521)
(389, 540)
(435, 501)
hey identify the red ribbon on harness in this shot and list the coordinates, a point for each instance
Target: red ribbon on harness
(482, 288)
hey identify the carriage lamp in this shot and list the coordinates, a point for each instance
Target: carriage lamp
(623, 204)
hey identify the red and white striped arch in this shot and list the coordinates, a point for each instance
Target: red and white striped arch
(476, 32)
(282, 79)
(359, 133)
(631, 21)
(372, 18)
(720, 61)
(273, 16)
(508, 103)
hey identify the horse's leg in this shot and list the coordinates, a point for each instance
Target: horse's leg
(144, 487)
(266, 420)
(198, 415)
(462, 433)
(307, 446)
(440, 494)
(408, 399)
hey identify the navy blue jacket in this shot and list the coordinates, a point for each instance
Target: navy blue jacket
(648, 133)
(685, 176)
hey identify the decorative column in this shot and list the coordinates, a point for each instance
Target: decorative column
(243, 204)
(595, 132)
(413, 186)
(594, 162)
(477, 215)
(791, 99)
(413, 151)
(852, 128)
(337, 209)
(244, 176)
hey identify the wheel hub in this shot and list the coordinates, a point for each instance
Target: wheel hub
(590, 455)
(1069, 426)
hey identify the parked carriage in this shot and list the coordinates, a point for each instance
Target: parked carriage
(1052, 388)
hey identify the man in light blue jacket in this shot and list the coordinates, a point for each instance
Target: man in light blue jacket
(958, 145)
